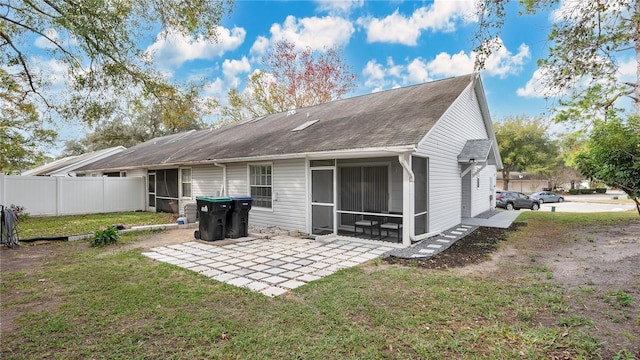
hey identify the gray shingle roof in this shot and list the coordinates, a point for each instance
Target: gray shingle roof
(397, 117)
(475, 150)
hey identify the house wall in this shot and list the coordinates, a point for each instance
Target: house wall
(461, 122)
(485, 194)
(289, 194)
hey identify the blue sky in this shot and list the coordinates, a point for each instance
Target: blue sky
(387, 44)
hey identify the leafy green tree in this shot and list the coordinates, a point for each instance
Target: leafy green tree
(582, 67)
(292, 79)
(23, 138)
(98, 43)
(612, 155)
(524, 146)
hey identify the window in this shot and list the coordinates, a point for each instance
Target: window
(186, 182)
(260, 185)
(477, 183)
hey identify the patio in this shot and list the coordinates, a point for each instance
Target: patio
(269, 266)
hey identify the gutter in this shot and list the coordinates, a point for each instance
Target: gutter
(409, 171)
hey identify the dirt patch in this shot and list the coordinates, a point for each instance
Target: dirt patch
(598, 267)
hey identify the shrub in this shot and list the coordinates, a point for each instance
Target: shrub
(601, 190)
(105, 237)
(574, 191)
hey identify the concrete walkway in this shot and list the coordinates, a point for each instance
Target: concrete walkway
(269, 266)
(434, 245)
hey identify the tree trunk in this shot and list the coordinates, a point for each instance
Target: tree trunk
(636, 41)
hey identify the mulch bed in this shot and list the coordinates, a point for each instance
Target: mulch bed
(471, 249)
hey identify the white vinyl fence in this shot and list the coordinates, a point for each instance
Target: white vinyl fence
(72, 195)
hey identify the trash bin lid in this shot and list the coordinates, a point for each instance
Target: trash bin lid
(241, 198)
(214, 198)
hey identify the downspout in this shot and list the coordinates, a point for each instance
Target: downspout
(409, 172)
(223, 189)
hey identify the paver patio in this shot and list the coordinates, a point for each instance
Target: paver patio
(269, 266)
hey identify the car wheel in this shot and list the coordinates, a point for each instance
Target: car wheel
(560, 199)
(196, 234)
(509, 206)
(535, 207)
(541, 201)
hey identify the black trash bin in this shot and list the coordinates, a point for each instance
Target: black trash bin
(212, 212)
(238, 217)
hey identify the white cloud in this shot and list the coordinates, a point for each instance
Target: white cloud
(418, 71)
(442, 15)
(231, 69)
(446, 65)
(316, 33)
(216, 89)
(343, 7)
(627, 69)
(43, 42)
(373, 73)
(535, 87)
(172, 49)
(259, 46)
(501, 64)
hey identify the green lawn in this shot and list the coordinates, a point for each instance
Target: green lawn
(92, 303)
(39, 226)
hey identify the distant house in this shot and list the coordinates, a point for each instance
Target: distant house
(425, 154)
(524, 182)
(68, 165)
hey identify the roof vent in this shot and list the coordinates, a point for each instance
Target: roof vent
(305, 125)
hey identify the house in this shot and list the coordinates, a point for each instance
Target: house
(425, 155)
(524, 182)
(67, 166)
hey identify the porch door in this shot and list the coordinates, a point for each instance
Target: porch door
(323, 201)
(151, 189)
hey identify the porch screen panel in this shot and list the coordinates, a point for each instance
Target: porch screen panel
(419, 166)
(363, 189)
(167, 183)
(375, 192)
(167, 190)
(350, 193)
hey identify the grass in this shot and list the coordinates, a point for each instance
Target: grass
(127, 306)
(106, 304)
(39, 226)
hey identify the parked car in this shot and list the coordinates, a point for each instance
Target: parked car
(512, 200)
(547, 197)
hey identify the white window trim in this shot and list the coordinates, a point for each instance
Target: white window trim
(273, 193)
(191, 182)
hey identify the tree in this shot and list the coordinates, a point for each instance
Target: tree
(292, 79)
(583, 64)
(23, 137)
(524, 146)
(98, 43)
(612, 155)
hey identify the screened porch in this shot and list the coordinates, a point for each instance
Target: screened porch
(368, 198)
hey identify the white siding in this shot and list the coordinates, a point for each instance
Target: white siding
(461, 122)
(289, 189)
(206, 180)
(137, 172)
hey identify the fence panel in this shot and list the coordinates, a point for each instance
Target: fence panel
(71, 195)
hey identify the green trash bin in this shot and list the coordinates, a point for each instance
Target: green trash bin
(212, 212)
